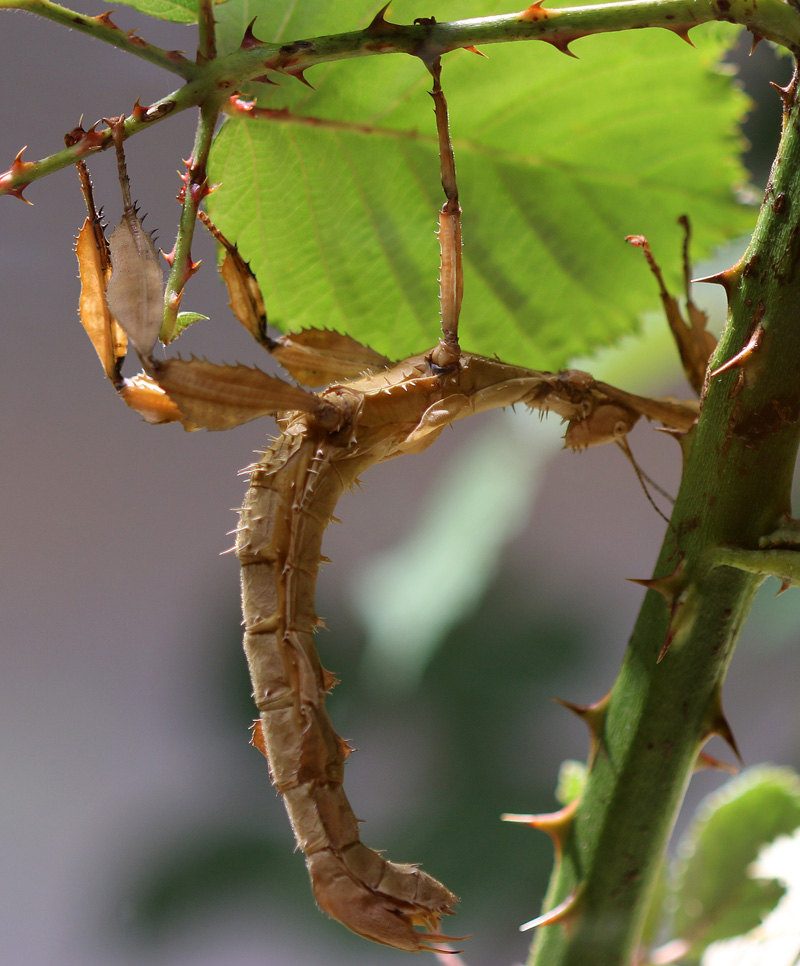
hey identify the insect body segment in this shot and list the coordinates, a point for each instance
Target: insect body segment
(292, 495)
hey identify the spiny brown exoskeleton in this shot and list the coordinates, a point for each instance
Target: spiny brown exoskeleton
(370, 410)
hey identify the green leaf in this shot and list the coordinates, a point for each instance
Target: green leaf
(334, 204)
(184, 320)
(777, 940)
(715, 895)
(177, 11)
(571, 781)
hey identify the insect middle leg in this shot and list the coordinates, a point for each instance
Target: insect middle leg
(451, 279)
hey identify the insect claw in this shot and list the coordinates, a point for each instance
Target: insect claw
(437, 937)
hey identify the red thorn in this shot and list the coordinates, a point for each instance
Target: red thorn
(562, 913)
(250, 40)
(683, 613)
(18, 164)
(786, 93)
(757, 38)
(138, 112)
(198, 191)
(15, 173)
(265, 79)
(721, 278)
(683, 33)
(86, 141)
(105, 19)
(93, 139)
(177, 56)
(300, 74)
(785, 585)
(379, 23)
(704, 760)
(169, 257)
(666, 645)
(133, 39)
(562, 45)
(594, 716)
(474, 50)
(723, 730)
(719, 726)
(744, 356)
(670, 586)
(555, 824)
(534, 13)
(16, 192)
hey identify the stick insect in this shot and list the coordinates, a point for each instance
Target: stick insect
(370, 410)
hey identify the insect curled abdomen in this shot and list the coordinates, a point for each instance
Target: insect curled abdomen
(291, 499)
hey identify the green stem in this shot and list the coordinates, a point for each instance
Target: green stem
(194, 191)
(735, 492)
(195, 181)
(206, 28)
(23, 173)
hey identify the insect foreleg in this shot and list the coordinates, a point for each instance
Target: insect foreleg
(451, 278)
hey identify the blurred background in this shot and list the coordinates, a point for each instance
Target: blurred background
(136, 824)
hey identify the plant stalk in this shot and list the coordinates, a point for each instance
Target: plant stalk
(735, 491)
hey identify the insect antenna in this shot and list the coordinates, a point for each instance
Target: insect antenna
(644, 480)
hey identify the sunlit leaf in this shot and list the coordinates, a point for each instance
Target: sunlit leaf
(777, 940)
(178, 11)
(184, 320)
(715, 895)
(334, 203)
(571, 781)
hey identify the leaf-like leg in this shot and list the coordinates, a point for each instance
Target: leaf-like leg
(314, 357)
(94, 263)
(135, 291)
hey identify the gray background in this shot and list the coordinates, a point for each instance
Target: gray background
(136, 826)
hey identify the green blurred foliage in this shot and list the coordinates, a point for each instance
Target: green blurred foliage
(712, 892)
(177, 11)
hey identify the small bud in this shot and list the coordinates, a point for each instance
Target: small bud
(534, 13)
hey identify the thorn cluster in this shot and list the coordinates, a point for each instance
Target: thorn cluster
(12, 182)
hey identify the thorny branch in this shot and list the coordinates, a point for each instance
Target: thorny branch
(774, 20)
(194, 190)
